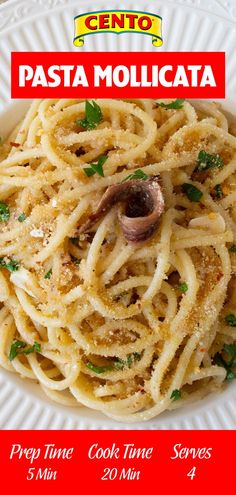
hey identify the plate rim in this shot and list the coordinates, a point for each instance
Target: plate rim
(225, 9)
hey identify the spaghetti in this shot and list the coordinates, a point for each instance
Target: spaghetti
(126, 328)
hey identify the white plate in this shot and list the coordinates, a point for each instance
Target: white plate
(47, 25)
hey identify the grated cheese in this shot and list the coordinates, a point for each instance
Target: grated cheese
(37, 233)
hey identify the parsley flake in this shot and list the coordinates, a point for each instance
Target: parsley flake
(207, 161)
(218, 191)
(230, 375)
(193, 193)
(96, 168)
(229, 365)
(18, 347)
(121, 363)
(137, 175)
(35, 348)
(22, 217)
(231, 350)
(233, 248)
(174, 105)
(231, 320)
(4, 212)
(14, 349)
(118, 364)
(98, 369)
(11, 265)
(129, 361)
(176, 394)
(183, 287)
(48, 274)
(93, 116)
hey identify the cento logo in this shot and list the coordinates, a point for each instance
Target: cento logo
(118, 22)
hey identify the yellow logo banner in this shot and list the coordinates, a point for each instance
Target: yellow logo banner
(118, 22)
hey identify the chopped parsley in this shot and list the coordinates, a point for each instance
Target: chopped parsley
(19, 347)
(137, 175)
(48, 274)
(137, 355)
(230, 364)
(22, 217)
(35, 348)
(11, 265)
(99, 369)
(93, 116)
(231, 320)
(96, 168)
(118, 364)
(193, 193)
(207, 161)
(129, 361)
(183, 287)
(4, 212)
(233, 248)
(174, 105)
(15, 349)
(176, 394)
(218, 191)
(131, 358)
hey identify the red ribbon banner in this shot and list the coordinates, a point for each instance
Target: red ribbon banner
(112, 462)
(118, 75)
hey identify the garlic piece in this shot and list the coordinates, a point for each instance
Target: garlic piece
(213, 222)
(37, 233)
(23, 280)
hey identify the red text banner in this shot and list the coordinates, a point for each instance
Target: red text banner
(112, 462)
(118, 75)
